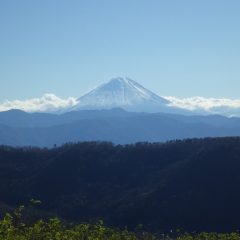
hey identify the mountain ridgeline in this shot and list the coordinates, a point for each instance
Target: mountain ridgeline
(18, 128)
(120, 111)
(189, 184)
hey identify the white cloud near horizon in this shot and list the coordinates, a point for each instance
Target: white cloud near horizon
(223, 106)
(50, 102)
(47, 103)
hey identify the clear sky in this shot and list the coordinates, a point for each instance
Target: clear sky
(180, 48)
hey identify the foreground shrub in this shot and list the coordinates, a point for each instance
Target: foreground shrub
(12, 227)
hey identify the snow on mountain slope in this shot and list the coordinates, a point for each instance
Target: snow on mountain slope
(124, 93)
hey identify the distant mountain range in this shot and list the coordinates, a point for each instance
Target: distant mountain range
(127, 94)
(18, 128)
(120, 111)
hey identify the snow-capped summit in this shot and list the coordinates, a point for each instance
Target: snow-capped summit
(124, 93)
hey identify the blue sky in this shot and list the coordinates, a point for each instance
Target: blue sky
(180, 48)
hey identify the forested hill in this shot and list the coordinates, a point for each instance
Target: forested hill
(190, 184)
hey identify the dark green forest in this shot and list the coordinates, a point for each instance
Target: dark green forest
(191, 185)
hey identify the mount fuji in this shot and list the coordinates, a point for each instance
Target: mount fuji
(122, 93)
